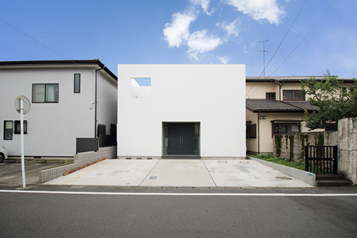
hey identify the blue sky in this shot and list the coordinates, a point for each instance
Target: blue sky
(186, 32)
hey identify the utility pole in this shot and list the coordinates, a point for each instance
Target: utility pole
(264, 53)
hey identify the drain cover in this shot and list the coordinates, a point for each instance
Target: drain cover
(284, 178)
(153, 177)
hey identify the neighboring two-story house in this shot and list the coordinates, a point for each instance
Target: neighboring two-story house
(275, 105)
(70, 100)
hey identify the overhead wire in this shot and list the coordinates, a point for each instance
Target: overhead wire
(300, 42)
(12, 26)
(278, 46)
(304, 38)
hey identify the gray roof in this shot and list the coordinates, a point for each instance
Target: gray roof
(58, 62)
(269, 105)
(289, 79)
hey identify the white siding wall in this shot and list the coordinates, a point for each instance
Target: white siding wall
(213, 95)
(107, 102)
(52, 127)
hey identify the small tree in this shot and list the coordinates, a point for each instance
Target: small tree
(333, 101)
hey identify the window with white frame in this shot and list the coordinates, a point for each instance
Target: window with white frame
(45, 93)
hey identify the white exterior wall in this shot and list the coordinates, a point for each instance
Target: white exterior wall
(52, 127)
(107, 102)
(213, 95)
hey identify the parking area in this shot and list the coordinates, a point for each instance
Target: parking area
(10, 170)
(179, 173)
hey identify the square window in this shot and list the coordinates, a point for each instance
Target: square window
(270, 95)
(8, 130)
(45, 93)
(140, 87)
(251, 131)
(77, 83)
(293, 95)
(286, 127)
(18, 128)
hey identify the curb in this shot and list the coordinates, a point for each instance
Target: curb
(307, 177)
(83, 166)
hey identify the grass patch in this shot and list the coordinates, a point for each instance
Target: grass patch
(282, 161)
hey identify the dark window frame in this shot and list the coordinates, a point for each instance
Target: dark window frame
(45, 94)
(294, 97)
(251, 131)
(7, 130)
(75, 88)
(287, 126)
(17, 129)
(268, 95)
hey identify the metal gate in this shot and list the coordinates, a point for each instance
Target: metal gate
(321, 159)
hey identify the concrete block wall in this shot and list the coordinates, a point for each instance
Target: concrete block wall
(345, 138)
(347, 159)
(79, 160)
(293, 144)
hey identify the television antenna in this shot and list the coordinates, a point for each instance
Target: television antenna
(22, 106)
(264, 53)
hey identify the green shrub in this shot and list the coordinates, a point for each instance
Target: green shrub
(282, 161)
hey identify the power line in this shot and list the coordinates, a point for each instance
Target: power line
(278, 46)
(31, 38)
(39, 42)
(304, 38)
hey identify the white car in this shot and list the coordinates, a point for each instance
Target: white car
(3, 153)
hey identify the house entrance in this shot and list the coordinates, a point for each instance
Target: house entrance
(181, 138)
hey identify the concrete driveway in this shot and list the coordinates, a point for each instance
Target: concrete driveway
(180, 173)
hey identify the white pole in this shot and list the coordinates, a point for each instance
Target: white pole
(22, 143)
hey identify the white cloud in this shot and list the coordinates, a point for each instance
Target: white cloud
(204, 4)
(224, 59)
(245, 50)
(259, 9)
(229, 30)
(199, 42)
(178, 30)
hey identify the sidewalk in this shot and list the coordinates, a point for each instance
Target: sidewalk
(180, 173)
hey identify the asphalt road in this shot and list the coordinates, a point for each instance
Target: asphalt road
(257, 213)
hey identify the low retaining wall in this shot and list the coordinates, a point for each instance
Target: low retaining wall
(79, 160)
(307, 177)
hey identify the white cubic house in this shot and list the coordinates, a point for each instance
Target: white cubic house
(73, 105)
(193, 111)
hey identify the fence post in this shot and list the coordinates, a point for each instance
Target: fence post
(306, 158)
(335, 159)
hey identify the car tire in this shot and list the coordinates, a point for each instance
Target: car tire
(2, 157)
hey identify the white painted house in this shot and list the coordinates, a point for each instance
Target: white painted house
(70, 99)
(181, 111)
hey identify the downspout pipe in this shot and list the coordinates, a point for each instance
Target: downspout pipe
(280, 86)
(96, 102)
(258, 133)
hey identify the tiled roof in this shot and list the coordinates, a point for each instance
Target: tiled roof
(290, 79)
(269, 105)
(303, 104)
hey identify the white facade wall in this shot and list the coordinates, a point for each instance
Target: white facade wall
(213, 95)
(107, 103)
(52, 127)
